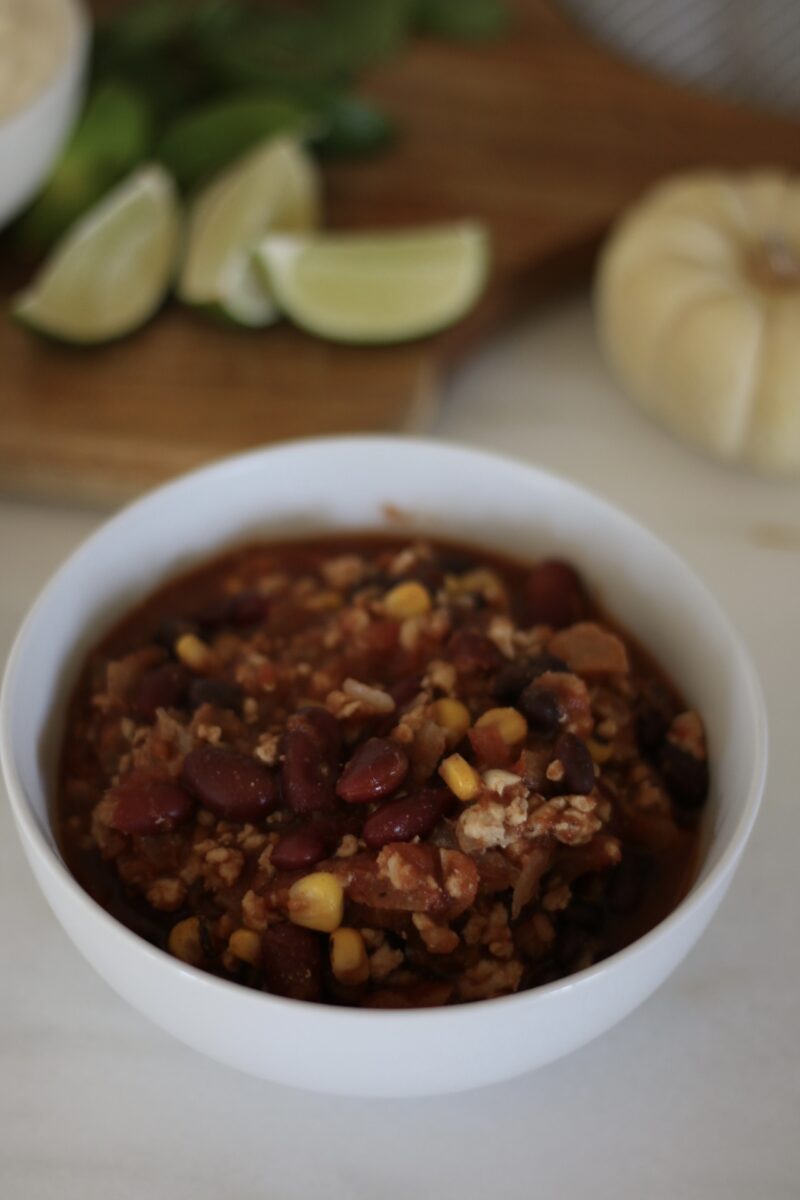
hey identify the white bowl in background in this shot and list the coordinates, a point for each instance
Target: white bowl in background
(356, 484)
(32, 137)
(748, 51)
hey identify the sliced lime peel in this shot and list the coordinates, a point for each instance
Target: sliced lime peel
(112, 270)
(377, 288)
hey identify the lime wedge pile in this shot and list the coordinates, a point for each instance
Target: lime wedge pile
(274, 187)
(252, 252)
(112, 270)
(377, 288)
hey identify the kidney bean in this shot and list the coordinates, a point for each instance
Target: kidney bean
(234, 786)
(148, 805)
(377, 769)
(541, 707)
(308, 782)
(213, 614)
(248, 608)
(163, 687)
(218, 692)
(472, 652)
(578, 767)
(406, 818)
(553, 594)
(323, 728)
(300, 848)
(685, 776)
(405, 690)
(311, 752)
(292, 959)
(245, 608)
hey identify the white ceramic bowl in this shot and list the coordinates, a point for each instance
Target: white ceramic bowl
(314, 486)
(32, 137)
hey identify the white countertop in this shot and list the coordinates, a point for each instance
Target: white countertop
(697, 1094)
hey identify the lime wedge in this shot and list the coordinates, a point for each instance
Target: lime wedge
(273, 187)
(381, 287)
(113, 268)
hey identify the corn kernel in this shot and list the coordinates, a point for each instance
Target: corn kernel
(600, 751)
(194, 653)
(245, 945)
(184, 942)
(510, 724)
(409, 599)
(452, 716)
(349, 956)
(317, 902)
(462, 779)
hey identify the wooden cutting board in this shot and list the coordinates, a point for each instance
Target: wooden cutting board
(543, 135)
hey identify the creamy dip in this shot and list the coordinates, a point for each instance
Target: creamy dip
(35, 35)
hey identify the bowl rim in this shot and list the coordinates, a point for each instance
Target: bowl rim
(74, 57)
(699, 894)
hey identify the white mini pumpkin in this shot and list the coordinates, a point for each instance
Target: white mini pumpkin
(698, 312)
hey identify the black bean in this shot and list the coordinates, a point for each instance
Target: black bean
(585, 914)
(456, 563)
(510, 681)
(173, 628)
(625, 884)
(572, 943)
(513, 678)
(541, 708)
(218, 692)
(651, 729)
(685, 776)
(576, 767)
(548, 662)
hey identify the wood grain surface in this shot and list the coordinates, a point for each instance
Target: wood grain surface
(543, 135)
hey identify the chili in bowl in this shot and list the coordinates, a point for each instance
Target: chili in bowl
(451, 791)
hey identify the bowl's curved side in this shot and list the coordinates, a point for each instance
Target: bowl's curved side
(31, 139)
(458, 492)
